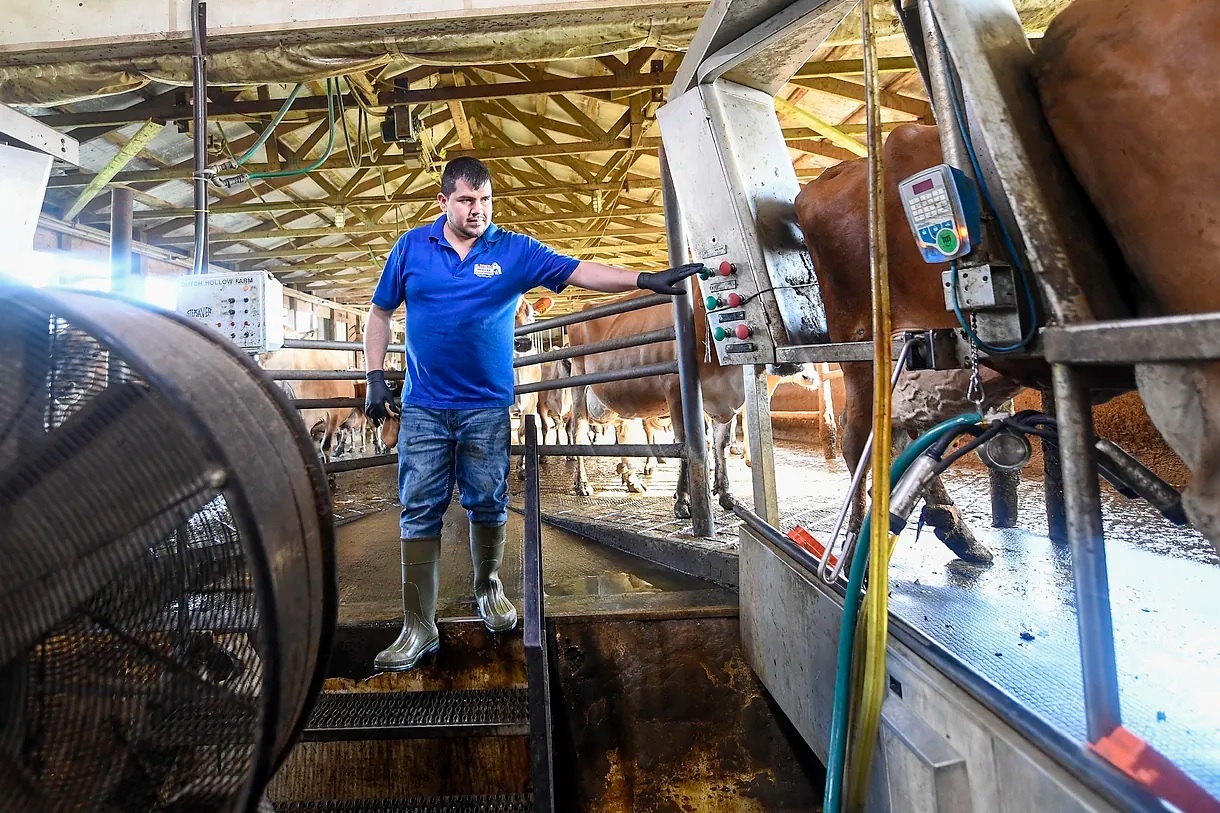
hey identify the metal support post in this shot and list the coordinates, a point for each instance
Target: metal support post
(1052, 481)
(199, 40)
(762, 443)
(698, 482)
(1084, 526)
(120, 240)
(542, 761)
(940, 77)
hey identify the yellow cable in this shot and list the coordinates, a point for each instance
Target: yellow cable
(876, 608)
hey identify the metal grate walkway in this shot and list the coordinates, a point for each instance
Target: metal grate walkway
(440, 804)
(406, 715)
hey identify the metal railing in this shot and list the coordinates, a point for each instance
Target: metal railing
(537, 671)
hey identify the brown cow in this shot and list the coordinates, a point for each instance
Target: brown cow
(331, 419)
(833, 214)
(1106, 71)
(555, 406)
(723, 390)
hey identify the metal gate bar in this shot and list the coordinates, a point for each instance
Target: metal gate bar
(614, 308)
(324, 344)
(534, 620)
(652, 337)
(674, 450)
(648, 370)
(328, 375)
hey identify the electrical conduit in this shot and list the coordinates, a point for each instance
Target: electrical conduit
(872, 690)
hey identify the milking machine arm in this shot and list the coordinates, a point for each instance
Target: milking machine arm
(1002, 443)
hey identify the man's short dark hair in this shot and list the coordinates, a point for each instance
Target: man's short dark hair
(471, 170)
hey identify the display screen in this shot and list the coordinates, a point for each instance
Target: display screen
(922, 186)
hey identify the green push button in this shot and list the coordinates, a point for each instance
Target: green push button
(720, 334)
(947, 241)
(706, 273)
(712, 302)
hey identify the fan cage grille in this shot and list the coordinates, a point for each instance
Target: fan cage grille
(147, 691)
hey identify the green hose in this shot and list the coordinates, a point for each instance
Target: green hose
(262, 139)
(330, 144)
(836, 762)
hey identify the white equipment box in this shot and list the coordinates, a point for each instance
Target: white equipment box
(246, 308)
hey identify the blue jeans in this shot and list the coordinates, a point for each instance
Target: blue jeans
(437, 447)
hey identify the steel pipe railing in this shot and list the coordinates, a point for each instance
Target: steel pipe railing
(675, 451)
(323, 344)
(648, 370)
(328, 375)
(652, 337)
(328, 403)
(664, 368)
(658, 450)
(612, 309)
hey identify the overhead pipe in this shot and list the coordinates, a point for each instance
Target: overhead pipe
(200, 87)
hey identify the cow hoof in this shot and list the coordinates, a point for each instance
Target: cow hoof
(661, 461)
(584, 490)
(520, 474)
(634, 486)
(650, 470)
(737, 450)
(726, 500)
(682, 508)
(570, 459)
(950, 530)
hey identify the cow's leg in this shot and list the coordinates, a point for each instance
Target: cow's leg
(857, 422)
(582, 437)
(745, 434)
(682, 493)
(943, 517)
(741, 449)
(720, 481)
(650, 437)
(626, 466)
(829, 424)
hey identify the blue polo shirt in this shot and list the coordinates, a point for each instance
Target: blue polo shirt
(460, 312)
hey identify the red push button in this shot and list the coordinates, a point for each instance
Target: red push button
(735, 300)
(743, 331)
(727, 268)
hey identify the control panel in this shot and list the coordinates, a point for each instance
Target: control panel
(246, 308)
(736, 184)
(728, 320)
(942, 209)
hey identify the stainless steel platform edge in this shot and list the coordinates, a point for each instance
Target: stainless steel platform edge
(919, 665)
(714, 566)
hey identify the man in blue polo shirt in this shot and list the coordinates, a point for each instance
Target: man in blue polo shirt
(461, 279)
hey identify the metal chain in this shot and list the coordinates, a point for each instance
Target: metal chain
(975, 390)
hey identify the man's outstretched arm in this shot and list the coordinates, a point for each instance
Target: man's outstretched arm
(612, 280)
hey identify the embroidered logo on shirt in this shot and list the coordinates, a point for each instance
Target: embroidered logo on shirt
(484, 270)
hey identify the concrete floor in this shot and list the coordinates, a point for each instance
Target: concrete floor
(580, 577)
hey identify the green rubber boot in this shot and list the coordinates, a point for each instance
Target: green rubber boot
(486, 553)
(421, 575)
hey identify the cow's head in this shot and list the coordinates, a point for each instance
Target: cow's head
(527, 313)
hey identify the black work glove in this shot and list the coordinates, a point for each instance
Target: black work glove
(378, 402)
(666, 282)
